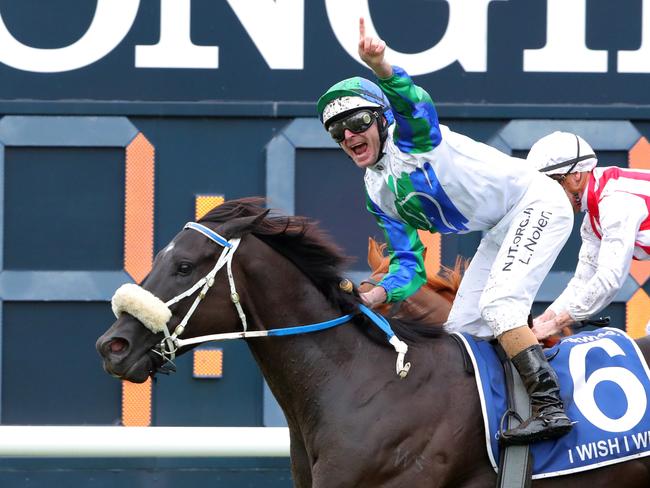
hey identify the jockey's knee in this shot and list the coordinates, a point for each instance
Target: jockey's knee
(503, 315)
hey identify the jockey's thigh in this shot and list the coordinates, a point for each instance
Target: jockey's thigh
(465, 315)
(529, 238)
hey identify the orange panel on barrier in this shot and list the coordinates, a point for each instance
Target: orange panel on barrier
(208, 363)
(640, 271)
(432, 243)
(639, 158)
(639, 155)
(205, 203)
(138, 255)
(638, 313)
(136, 404)
(138, 208)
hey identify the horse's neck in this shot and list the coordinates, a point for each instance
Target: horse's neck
(294, 366)
(304, 370)
(300, 368)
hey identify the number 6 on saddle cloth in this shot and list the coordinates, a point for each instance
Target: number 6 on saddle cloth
(605, 386)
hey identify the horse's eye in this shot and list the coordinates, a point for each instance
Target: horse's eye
(184, 268)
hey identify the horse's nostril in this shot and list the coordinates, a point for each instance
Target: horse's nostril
(117, 346)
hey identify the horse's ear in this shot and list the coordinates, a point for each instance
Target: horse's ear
(240, 226)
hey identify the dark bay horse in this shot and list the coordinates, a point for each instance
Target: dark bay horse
(353, 422)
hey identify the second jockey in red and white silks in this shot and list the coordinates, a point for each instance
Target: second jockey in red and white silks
(615, 229)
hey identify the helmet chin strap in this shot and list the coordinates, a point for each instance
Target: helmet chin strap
(382, 126)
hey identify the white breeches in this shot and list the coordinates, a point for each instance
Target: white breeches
(511, 262)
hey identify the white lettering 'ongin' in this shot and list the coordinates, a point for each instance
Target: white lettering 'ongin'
(276, 28)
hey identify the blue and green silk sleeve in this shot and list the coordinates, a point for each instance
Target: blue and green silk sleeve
(406, 272)
(417, 128)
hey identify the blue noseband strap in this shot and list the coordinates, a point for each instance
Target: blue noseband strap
(209, 233)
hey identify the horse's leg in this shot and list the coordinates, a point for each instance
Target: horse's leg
(300, 467)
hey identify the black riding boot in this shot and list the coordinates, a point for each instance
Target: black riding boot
(548, 419)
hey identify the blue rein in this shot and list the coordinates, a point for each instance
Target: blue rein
(400, 347)
(376, 319)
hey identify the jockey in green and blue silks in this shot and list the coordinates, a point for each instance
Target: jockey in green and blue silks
(422, 175)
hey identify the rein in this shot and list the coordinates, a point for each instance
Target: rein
(142, 304)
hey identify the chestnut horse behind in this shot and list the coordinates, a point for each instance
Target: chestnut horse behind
(431, 304)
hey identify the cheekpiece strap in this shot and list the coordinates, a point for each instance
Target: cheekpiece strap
(209, 233)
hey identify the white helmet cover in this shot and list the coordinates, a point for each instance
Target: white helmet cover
(345, 104)
(562, 153)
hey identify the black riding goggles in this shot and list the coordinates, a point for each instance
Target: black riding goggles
(357, 122)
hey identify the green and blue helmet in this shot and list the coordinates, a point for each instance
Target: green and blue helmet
(352, 94)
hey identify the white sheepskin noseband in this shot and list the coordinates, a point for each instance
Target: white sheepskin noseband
(143, 305)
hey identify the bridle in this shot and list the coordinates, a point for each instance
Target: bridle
(154, 314)
(170, 344)
(133, 299)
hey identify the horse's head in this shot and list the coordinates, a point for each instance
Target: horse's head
(283, 266)
(191, 275)
(430, 304)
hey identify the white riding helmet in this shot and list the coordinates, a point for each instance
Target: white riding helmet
(562, 153)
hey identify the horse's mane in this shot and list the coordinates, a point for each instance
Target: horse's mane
(299, 239)
(448, 279)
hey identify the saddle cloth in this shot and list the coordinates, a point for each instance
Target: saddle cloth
(605, 386)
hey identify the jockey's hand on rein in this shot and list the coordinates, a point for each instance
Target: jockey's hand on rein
(373, 297)
(542, 330)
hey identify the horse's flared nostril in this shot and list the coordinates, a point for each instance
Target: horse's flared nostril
(113, 347)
